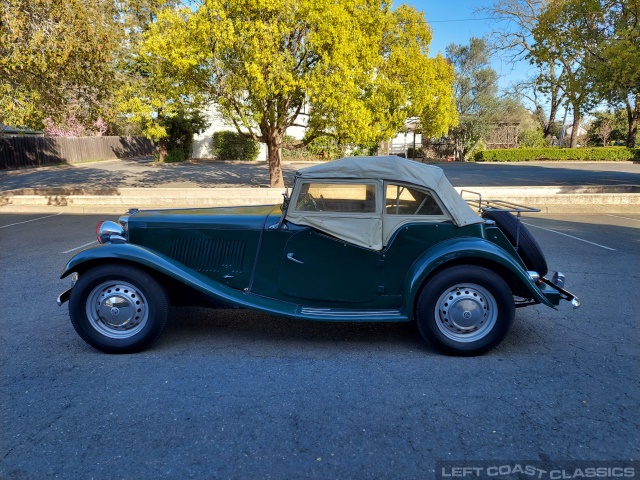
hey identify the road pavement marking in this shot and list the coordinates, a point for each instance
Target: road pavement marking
(81, 246)
(32, 220)
(571, 236)
(626, 218)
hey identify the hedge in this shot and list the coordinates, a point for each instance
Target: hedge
(229, 145)
(555, 154)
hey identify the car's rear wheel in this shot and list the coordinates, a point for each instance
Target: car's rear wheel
(118, 308)
(465, 310)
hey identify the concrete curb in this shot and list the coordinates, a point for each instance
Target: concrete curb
(563, 199)
(550, 199)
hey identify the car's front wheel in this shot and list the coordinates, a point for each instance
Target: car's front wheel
(118, 308)
(465, 310)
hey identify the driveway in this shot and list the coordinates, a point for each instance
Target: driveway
(145, 174)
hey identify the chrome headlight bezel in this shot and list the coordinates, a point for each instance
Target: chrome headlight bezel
(110, 232)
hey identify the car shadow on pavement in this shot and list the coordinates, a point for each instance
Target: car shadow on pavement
(195, 328)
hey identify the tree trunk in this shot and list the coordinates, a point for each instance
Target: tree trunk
(548, 130)
(633, 113)
(162, 149)
(162, 142)
(275, 163)
(556, 100)
(574, 129)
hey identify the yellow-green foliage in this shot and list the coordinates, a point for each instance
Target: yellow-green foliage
(56, 59)
(357, 68)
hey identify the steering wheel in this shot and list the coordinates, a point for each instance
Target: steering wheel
(308, 202)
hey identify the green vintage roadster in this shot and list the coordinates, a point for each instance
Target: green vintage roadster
(362, 239)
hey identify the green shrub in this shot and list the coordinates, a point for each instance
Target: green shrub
(175, 155)
(228, 145)
(369, 148)
(558, 154)
(532, 138)
(180, 130)
(414, 152)
(295, 153)
(328, 148)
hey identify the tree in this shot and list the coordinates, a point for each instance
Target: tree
(147, 96)
(619, 55)
(517, 20)
(557, 37)
(609, 32)
(56, 61)
(606, 127)
(351, 70)
(475, 90)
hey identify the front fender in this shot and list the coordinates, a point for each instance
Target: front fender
(137, 255)
(125, 251)
(460, 249)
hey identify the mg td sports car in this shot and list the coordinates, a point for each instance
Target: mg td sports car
(362, 239)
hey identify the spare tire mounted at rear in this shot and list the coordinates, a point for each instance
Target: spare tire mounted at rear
(520, 237)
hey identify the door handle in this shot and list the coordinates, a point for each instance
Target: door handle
(293, 259)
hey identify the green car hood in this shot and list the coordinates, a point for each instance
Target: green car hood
(231, 218)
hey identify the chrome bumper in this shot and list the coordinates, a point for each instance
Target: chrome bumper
(63, 297)
(557, 284)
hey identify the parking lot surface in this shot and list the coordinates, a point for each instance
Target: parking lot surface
(145, 174)
(237, 394)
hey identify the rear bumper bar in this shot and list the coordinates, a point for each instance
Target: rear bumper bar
(555, 293)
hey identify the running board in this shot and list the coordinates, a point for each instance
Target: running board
(352, 315)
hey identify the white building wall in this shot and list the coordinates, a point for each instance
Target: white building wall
(203, 142)
(403, 141)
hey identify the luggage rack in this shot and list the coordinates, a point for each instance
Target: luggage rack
(499, 206)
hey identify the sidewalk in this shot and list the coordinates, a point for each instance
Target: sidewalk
(113, 186)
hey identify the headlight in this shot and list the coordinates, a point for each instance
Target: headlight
(110, 232)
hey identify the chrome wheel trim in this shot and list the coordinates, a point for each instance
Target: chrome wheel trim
(117, 309)
(466, 312)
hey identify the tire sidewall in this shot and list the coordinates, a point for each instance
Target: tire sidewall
(445, 279)
(157, 304)
(528, 248)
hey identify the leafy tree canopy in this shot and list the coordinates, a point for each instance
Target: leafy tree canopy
(56, 60)
(352, 70)
(475, 92)
(598, 44)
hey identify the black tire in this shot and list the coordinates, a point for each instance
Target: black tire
(465, 310)
(528, 247)
(129, 308)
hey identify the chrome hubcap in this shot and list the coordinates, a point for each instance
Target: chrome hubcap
(466, 312)
(117, 309)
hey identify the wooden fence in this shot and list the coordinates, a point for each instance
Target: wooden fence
(23, 151)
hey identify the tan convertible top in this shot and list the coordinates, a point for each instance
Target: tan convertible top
(398, 169)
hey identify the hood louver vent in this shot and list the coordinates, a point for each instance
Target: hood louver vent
(209, 255)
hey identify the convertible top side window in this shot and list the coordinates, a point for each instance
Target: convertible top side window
(404, 204)
(404, 200)
(336, 197)
(350, 210)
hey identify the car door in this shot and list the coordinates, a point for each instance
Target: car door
(336, 259)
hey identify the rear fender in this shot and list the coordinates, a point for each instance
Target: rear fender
(455, 251)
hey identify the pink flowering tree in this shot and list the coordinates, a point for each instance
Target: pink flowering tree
(70, 126)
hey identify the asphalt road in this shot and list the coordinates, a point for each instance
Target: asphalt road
(134, 173)
(236, 394)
